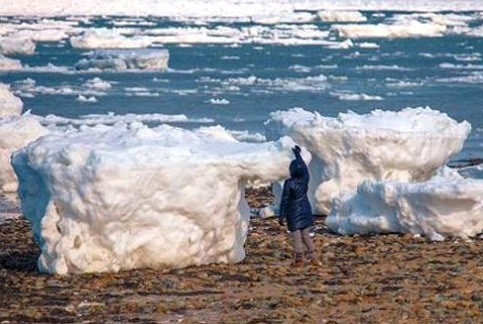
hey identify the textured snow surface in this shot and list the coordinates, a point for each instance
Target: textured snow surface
(408, 145)
(438, 208)
(109, 198)
(9, 103)
(15, 133)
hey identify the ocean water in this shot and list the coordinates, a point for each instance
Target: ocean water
(237, 85)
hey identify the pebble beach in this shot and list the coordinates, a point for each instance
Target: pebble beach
(363, 279)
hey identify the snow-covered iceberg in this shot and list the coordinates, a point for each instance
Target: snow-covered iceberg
(436, 208)
(125, 60)
(15, 133)
(407, 145)
(107, 198)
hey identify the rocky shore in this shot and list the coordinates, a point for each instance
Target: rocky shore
(364, 279)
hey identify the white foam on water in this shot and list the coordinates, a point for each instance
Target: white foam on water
(384, 68)
(350, 96)
(452, 66)
(475, 77)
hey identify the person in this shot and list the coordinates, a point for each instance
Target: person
(295, 208)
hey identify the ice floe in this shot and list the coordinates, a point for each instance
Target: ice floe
(412, 28)
(437, 209)
(9, 103)
(122, 197)
(126, 60)
(9, 63)
(186, 9)
(10, 45)
(408, 145)
(15, 133)
(107, 39)
(341, 16)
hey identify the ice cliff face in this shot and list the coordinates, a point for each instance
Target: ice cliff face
(127, 196)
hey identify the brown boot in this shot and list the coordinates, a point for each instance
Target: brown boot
(298, 260)
(313, 259)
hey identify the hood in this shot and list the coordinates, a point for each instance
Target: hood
(296, 169)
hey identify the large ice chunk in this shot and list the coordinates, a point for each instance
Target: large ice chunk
(15, 133)
(341, 16)
(437, 208)
(109, 198)
(122, 60)
(9, 103)
(108, 38)
(401, 30)
(408, 145)
(16, 45)
(7, 63)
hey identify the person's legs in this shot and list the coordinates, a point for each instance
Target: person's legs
(309, 244)
(298, 248)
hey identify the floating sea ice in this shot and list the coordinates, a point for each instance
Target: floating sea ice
(122, 60)
(408, 145)
(402, 30)
(109, 39)
(98, 84)
(219, 101)
(437, 208)
(341, 16)
(15, 133)
(234, 9)
(82, 98)
(9, 64)
(16, 45)
(110, 198)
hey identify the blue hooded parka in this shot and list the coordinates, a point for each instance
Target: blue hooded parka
(295, 206)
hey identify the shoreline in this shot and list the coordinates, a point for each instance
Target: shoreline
(373, 278)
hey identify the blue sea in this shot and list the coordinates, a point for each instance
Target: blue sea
(238, 85)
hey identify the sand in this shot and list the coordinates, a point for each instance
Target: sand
(363, 279)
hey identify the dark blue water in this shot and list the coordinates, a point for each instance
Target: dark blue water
(259, 79)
